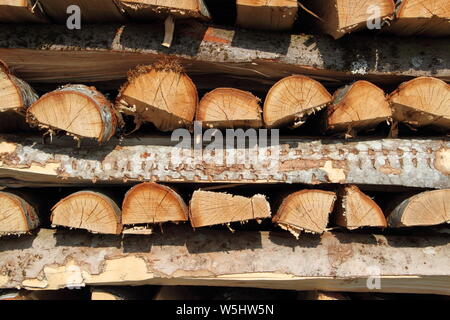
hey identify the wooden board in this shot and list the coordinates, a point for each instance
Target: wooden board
(21, 11)
(180, 256)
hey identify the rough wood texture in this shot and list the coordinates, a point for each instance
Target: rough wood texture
(79, 110)
(21, 11)
(335, 262)
(291, 100)
(357, 210)
(208, 208)
(424, 17)
(339, 17)
(423, 209)
(89, 210)
(229, 108)
(423, 101)
(421, 163)
(306, 210)
(358, 106)
(151, 9)
(104, 53)
(161, 94)
(17, 215)
(153, 203)
(266, 15)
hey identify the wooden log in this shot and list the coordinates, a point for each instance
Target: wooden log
(21, 11)
(153, 203)
(306, 210)
(424, 209)
(291, 100)
(155, 9)
(78, 110)
(161, 94)
(340, 17)
(357, 210)
(358, 106)
(89, 210)
(335, 262)
(229, 108)
(266, 15)
(419, 163)
(102, 54)
(423, 101)
(208, 208)
(423, 17)
(17, 215)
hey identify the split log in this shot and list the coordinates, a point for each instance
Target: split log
(208, 208)
(423, 17)
(291, 100)
(266, 15)
(357, 210)
(339, 17)
(17, 215)
(424, 209)
(21, 11)
(79, 110)
(306, 210)
(153, 203)
(423, 101)
(156, 9)
(358, 106)
(161, 94)
(89, 210)
(229, 108)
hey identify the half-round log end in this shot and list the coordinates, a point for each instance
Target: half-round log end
(17, 216)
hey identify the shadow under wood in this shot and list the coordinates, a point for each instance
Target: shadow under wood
(83, 238)
(284, 238)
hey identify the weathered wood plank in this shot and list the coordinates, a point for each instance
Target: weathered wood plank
(421, 163)
(334, 262)
(104, 53)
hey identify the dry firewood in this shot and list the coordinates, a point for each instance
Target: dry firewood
(291, 100)
(306, 210)
(229, 108)
(17, 214)
(89, 210)
(156, 9)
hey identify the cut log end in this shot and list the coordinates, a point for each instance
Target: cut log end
(149, 203)
(78, 110)
(229, 108)
(92, 211)
(164, 96)
(306, 210)
(212, 208)
(17, 216)
(423, 101)
(291, 100)
(359, 106)
(424, 209)
(358, 210)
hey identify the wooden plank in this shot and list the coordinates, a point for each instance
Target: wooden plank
(420, 163)
(180, 256)
(104, 54)
(21, 11)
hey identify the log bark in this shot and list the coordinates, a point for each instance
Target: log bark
(154, 9)
(89, 210)
(419, 163)
(229, 108)
(340, 17)
(78, 110)
(357, 107)
(151, 96)
(357, 210)
(266, 15)
(149, 203)
(305, 211)
(422, 17)
(17, 214)
(208, 208)
(292, 100)
(424, 209)
(423, 101)
(21, 11)
(180, 256)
